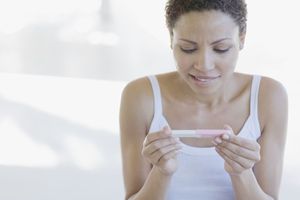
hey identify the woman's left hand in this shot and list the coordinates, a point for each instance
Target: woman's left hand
(239, 154)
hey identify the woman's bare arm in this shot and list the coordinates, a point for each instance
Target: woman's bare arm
(275, 114)
(255, 167)
(141, 181)
(264, 181)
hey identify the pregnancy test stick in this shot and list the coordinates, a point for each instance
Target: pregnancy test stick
(199, 133)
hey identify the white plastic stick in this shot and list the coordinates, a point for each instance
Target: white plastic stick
(199, 133)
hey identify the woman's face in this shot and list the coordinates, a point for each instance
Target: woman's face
(205, 47)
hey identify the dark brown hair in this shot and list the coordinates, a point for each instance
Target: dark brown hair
(237, 9)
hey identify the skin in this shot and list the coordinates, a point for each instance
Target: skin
(204, 44)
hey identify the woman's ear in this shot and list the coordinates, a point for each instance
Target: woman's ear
(242, 40)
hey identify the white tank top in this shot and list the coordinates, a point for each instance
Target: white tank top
(201, 173)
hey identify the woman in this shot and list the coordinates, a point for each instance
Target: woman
(204, 93)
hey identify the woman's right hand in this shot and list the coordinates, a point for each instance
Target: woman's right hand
(161, 149)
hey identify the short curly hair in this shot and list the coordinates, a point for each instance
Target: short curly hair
(237, 9)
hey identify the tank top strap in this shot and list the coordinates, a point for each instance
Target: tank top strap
(254, 104)
(156, 94)
(254, 95)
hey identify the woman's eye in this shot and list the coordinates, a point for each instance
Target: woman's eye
(221, 50)
(188, 50)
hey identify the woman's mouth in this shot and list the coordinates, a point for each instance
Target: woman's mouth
(204, 79)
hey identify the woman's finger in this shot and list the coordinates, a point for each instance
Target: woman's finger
(157, 155)
(240, 141)
(243, 142)
(164, 133)
(243, 162)
(240, 151)
(234, 165)
(156, 145)
(168, 155)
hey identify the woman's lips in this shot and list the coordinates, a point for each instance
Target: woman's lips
(204, 80)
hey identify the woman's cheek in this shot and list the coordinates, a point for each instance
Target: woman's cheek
(183, 62)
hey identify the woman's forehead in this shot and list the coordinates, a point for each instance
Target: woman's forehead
(211, 24)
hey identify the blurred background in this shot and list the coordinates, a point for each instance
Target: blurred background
(63, 65)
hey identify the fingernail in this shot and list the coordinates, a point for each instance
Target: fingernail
(218, 140)
(225, 137)
(167, 129)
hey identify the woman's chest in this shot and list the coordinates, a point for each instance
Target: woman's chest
(191, 117)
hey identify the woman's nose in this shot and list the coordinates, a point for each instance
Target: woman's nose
(204, 61)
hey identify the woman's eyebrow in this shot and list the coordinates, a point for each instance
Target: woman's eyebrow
(215, 42)
(189, 41)
(220, 40)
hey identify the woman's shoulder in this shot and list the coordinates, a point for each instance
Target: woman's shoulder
(136, 106)
(137, 101)
(271, 91)
(271, 88)
(137, 85)
(272, 98)
(141, 87)
(268, 86)
(138, 92)
(273, 101)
